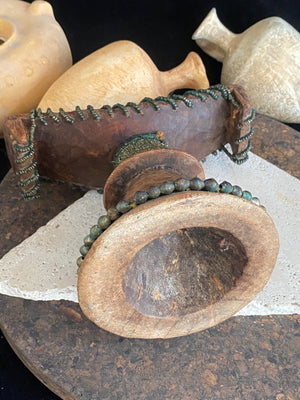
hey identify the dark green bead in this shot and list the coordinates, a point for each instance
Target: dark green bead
(256, 201)
(181, 184)
(140, 197)
(153, 192)
(226, 187)
(79, 261)
(237, 191)
(123, 206)
(104, 221)
(247, 195)
(84, 250)
(167, 188)
(211, 185)
(196, 184)
(88, 241)
(113, 213)
(95, 231)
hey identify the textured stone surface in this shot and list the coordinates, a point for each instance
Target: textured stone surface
(243, 358)
(30, 273)
(264, 59)
(278, 143)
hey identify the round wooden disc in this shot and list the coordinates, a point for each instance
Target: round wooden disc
(147, 168)
(112, 296)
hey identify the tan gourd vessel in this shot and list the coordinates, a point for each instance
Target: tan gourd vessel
(34, 52)
(118, 73)
(264, 59)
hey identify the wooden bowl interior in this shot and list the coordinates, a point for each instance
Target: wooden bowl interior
(183, 271)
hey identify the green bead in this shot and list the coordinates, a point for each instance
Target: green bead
(196, 184)
(153, 192)
(256, 201)
(181, 184)
(123, 206)
(104, 221)
(237, 191)
(247, 195)
(79, 261)
(226, 187)
(113, 213)
(84, 250)
(88, 241)
(263, 207)
(167, 188)
(211, 185)
(95, 231)
(140, 197)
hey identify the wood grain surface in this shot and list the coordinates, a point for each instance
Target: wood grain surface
(100, 290)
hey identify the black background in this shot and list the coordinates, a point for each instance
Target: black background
(163, 29)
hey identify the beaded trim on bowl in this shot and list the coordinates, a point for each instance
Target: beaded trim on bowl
(153, 192)
(32, 191)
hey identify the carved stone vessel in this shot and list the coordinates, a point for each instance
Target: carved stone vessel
(264, 59)
(118, 73)
(34, 52)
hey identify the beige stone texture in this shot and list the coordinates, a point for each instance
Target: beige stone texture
(118, 73)
(264, 59)
(34, 52)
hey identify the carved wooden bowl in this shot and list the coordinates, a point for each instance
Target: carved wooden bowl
(176, 264)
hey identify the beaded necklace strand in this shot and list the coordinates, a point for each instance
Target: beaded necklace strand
(153, 192)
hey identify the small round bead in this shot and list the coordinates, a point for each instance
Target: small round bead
(140, 197)
(256, 201)
(123, 206)
(84, 250)
(211, 185)
(153, 192)
(88, 241)
(247, 195)
(95, 231)
(225, 187)
(167, 188)
(113, 213)
(104, 221)
(196, 184)
(237, 191)
(181, 184)
(79, 261)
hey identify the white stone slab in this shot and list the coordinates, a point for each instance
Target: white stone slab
(279, 192)
(43, 267)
